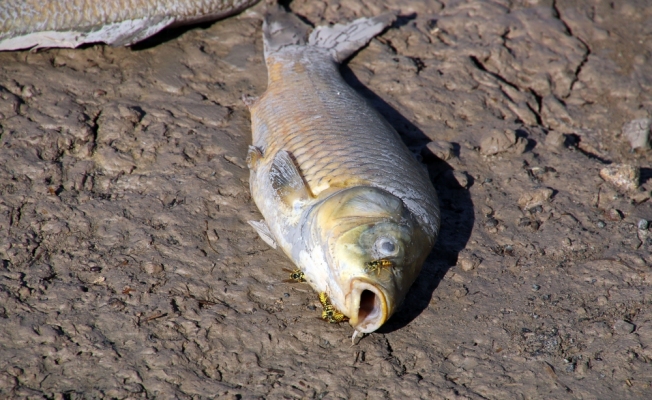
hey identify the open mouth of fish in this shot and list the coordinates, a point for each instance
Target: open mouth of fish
(369, 308)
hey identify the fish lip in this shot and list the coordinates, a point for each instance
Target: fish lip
(366, 325)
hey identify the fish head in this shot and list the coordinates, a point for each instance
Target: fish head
(375, 249)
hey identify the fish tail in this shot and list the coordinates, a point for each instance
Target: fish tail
(342, 40)
(282, 29)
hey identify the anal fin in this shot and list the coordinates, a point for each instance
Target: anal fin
(287, 182)
(264, 232)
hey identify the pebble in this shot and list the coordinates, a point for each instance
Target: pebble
(468, 262)
(622, 176)
(440, 149)
(534, 198)
(643, 224)
(116, 303)
(624, 327)
(497, 142)
(601, 224)
(457, 179)
(613, 215)
(487, 211)
(637, 132)
(491, 223)
(536, 287)
(152, 268)
(582, 368)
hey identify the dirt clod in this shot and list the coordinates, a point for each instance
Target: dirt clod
(637, 132)
(497, 141)
(441, 149)
(622, 176)
(534, 198)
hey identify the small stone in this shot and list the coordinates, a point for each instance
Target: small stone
(622, 176)
(116, 303)
(468, 262)
(487, 211)
(602, 300)
(440, 149)
(536, 287)
(582, 368)
(643, 224)
(152, 268)
(600, 224)
(613, 215)
(497, 142)
(488, 180)
(623, 327)
(638, 133)
(534, 198)
(491, 223)
(462, 178)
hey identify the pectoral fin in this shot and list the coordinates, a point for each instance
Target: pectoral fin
(264, 232)
(254, 154)
(287, 182)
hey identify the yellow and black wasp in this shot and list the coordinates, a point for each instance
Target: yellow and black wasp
(329, 312)
(295, 275)
(374, 267)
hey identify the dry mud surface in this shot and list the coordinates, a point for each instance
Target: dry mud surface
(127, 268)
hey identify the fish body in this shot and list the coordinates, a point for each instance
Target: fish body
(341, 195)
(28, 24)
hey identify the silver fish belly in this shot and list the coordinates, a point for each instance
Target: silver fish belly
(341, 194)
(28, 24)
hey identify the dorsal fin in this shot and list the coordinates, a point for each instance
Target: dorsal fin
(287, 182)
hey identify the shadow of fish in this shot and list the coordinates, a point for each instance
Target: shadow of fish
(341, 195)
(26, 24)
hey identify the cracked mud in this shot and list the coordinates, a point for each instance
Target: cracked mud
(127, 268)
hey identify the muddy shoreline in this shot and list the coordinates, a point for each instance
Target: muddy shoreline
(127, 268)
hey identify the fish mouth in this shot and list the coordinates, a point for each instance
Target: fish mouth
(369, 307)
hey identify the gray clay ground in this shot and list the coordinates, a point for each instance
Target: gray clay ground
(128, 269)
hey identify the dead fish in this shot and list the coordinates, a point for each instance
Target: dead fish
(341, 195)
(26, 24)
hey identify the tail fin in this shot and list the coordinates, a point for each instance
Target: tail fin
(282, 29)
(344, 40)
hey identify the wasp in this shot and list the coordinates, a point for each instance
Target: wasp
(374, 267)
(295, 276)
(330, 313)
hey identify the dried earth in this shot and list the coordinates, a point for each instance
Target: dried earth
(127, 268)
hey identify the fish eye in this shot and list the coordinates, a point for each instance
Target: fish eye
(386, 246)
